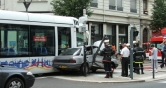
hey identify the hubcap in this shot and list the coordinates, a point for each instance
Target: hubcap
(15, 84)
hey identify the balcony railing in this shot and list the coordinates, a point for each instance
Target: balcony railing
(133, 10)
(112, 7)
(94, 4)
(120, 8)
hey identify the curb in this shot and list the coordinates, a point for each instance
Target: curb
(156, 79)
(159, 77)
(92, 81)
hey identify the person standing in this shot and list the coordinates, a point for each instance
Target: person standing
(113, 47)
(162, 54)
(139, 57)
(154, 52)
(107, 52)
(124, 58)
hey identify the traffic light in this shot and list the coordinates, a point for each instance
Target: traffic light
(135, 33)
(92, 32)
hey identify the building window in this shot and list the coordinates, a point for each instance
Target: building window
(123, 34)
(94, 3)
(98, 32)
(122, 30)
(115, 5)
(133, 6)
(112, 4)
(145, 35)
(42, 41)
(145, 6)
(119, 5)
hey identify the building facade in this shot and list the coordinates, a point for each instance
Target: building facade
(110, 17)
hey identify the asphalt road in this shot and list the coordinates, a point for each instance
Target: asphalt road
(58, 83)
(50, 82)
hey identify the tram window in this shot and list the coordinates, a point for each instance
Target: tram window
(42, 41)
(14, 40)
(64, 39)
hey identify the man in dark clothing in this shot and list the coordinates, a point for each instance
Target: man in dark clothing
(107, 52)
(163, 54)
(139, 53)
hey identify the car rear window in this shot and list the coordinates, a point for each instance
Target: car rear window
(72, 51)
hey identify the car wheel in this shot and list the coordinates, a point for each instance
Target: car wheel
(82, 69)
(15, 83)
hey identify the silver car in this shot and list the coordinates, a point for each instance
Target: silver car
(72, 59)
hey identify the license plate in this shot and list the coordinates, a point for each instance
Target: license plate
(62, 66)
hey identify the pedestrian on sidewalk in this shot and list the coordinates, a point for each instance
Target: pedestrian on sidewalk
(107, 52)
(124, 60)
(139, 57)
(128, 46)
(154, 53)
(163, 57)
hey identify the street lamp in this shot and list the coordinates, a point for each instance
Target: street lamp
(26, 4)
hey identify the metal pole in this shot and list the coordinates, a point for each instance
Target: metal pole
(85, 60)
(131, 52)
(153, 69)
(26, 9)
(85, 65)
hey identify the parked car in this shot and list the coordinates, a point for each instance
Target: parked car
(13, 77)
(72, 59)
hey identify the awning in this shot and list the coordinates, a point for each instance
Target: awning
(163, 31)
(156, 39)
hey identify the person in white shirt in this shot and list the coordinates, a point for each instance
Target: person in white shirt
(124, 59)
(154, 52)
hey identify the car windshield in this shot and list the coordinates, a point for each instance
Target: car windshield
(71, 51)
(156, 44)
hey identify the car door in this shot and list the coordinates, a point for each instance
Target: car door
(89, 54)
(0, 77)
(98, 60)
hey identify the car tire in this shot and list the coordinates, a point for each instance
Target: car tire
(15, 82)
(82, 69)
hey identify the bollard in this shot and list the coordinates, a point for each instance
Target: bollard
(153, 69)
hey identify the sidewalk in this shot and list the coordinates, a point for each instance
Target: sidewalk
(100, 74)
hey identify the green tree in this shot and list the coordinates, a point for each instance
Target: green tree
(72, 8)
(158, 15)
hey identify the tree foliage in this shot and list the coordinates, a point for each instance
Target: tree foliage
(158, 15)
(72, 8)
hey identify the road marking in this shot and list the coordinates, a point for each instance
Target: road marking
(40, 77)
